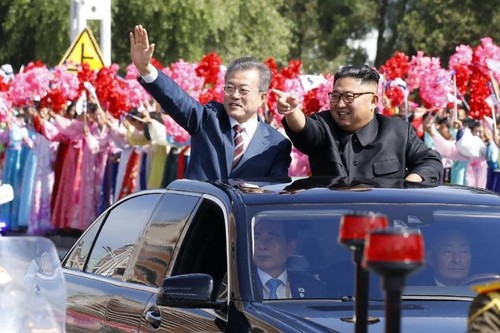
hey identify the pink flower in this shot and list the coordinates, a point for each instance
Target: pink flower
(462, 56)
(5, 107)
(300, 164)
(174, 131)
(66, 82)
(29, 85)
(487, 50)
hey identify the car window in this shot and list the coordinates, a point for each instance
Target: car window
(204, 245)
(160, 238)
(79, 253)
(119, 235)
(461, 246)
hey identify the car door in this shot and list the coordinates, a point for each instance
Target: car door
(202, 248)
(94, 268)
(146, 270)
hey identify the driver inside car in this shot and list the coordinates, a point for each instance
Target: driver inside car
(450, 257)
(275, 242)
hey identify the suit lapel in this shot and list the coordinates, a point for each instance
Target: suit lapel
(296, 288)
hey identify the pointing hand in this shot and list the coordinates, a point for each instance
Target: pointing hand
(287, 103)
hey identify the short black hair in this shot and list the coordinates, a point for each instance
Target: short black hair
(92, 107)
(134, 112)
(365, 73)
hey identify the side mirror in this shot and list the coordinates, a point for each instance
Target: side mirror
(188, 291)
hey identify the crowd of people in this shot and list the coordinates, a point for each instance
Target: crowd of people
(67, 166)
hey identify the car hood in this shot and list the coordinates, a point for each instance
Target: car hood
(328, 316)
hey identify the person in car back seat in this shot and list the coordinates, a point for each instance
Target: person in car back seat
(274, 244)
(450, 257)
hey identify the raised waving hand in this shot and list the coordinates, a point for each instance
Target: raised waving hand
(141, 51)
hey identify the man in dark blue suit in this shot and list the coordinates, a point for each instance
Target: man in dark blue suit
(262, 150)
(275, 242)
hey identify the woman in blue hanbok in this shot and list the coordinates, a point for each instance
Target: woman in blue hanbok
(38, 180)
(16, 137)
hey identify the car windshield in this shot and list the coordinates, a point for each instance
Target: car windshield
(461, 249)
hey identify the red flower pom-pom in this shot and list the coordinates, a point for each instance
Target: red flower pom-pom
(271, 63)
(85, 74)
(292, 70)
(209, 95)
(54, 99)
(209, 68)
(426, 104)
(4, 86)
(395, 95)
(479, 92)
(311, 102)
(396, 67)
(155, 62)
(462, 75)
(33, 64)
(112, 91)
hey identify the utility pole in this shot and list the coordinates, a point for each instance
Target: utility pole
(83, 10)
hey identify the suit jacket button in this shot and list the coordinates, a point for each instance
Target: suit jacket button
(355, 163)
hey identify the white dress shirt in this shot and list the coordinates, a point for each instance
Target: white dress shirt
(283, 290)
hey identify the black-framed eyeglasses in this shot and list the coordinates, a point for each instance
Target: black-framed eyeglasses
(230, 90)
(347, 97)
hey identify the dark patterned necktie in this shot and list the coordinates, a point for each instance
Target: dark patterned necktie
(238, 144)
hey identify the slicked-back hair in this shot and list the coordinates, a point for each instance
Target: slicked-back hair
(248, 63)
(364, 73)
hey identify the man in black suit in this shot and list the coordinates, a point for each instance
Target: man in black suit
(216, 151)
(351, 140)
(275, 242)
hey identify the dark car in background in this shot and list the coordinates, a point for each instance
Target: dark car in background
(180, 259)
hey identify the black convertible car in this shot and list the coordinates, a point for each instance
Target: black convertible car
(192, 257)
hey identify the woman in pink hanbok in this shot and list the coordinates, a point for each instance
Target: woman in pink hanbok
(473, 145)
(476, 142)
(97, 145)
(70, 133)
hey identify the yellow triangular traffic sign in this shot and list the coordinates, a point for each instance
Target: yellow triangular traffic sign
(84, 49)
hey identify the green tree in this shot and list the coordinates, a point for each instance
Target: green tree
(188, 29)
(438, 26)
(33, 30)
(319, 32)
(389, 15)
(303, 17)
(340, 23)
